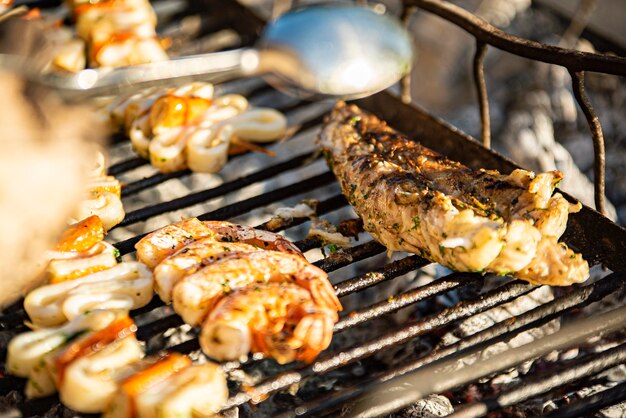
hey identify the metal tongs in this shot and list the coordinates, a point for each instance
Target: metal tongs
(329, 50)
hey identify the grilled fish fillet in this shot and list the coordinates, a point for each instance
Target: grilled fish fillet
(412, 199)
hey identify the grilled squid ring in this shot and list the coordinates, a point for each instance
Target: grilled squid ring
(106, 205)
(26, 350)
(125, 286)
(69, 265)
(88, 384)
(166, 150)
(207, 149)
(140, 136)
(103, 184)
(258, 125)
(194, 390)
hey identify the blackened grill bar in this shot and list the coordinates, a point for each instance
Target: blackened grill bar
(601, 242)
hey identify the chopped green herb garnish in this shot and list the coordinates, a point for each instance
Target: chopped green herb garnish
(333, 248)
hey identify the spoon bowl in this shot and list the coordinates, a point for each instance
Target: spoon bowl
(334, 50)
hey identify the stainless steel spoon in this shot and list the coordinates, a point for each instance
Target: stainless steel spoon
(328, 50)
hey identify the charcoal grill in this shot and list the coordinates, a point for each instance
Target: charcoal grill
(599, 240)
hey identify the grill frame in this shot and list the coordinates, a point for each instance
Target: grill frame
(599, 239)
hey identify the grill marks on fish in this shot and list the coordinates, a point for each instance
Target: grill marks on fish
(412, 199)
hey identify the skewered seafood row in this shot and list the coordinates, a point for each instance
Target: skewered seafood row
(187, 127)
(413, 199)
(97, 365)
(103, 197)
(251, 290)
(125, 286)
(81, 251)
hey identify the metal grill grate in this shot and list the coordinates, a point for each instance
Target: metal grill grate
(600, 241)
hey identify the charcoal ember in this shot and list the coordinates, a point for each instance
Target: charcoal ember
(498, 314)
(614, 411)
(432, 406)
(9, 401)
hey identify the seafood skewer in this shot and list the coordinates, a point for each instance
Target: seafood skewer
(280, 319)
(97, 365)
(188, 127)
(413, 199)
(103, 198)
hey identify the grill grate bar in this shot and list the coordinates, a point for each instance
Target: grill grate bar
(501, 331)
(204, 195)
(589, 404)
(401, 335)
(394, 303)
(126, 165)
(391, 270)
(135, 187)
(590, 365)
(350, 255)
(244, 206)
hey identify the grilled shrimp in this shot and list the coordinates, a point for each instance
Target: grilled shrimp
(154, 247)
(229, 232)
(85, 369)
(126, 286)
(189, 259)
(196, 294)
(280, 319)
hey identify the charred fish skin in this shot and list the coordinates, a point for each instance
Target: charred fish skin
(413, 199)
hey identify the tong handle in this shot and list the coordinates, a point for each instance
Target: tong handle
(214, 67)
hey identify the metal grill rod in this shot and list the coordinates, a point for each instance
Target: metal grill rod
(592, 364)
(435, 377)
(224, 188)
(584, 406)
